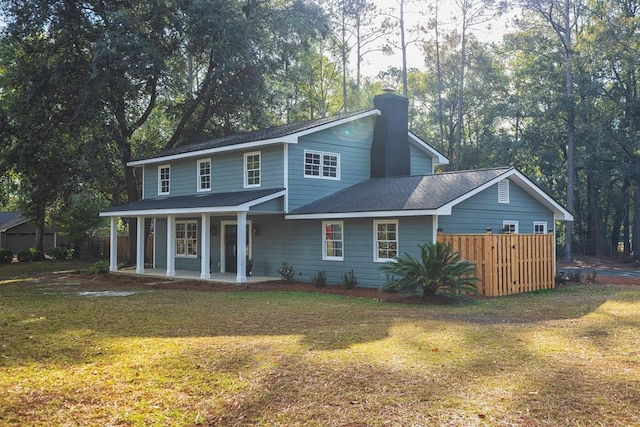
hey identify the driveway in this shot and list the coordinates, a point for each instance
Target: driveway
(615, 272)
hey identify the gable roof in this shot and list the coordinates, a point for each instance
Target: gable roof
(198, 203)
(9, 220)
(418, 195)
(274, 135)
(439, 158)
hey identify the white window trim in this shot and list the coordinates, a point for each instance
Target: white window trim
(160, 192)
(509, 222)
(543, 224)
(503, 191)
(322, 154)
(246, 171)
(325, 257)
(185, 238)
(376, 258)
(198, 176)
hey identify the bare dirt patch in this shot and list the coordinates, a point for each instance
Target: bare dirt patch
(113, 281)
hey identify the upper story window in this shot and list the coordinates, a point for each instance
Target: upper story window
(539, 227)
(321, 165)
(385, 240)
(510, 227)
(252, 169)
(186, 238)
(332, 241)
(503, 191)
(204, 175)
(164, 179)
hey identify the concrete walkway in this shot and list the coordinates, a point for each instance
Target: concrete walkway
(603, 271)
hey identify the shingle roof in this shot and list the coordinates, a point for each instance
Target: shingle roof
(252, 136)
(11, 219)
(427, 192)
(216, 200)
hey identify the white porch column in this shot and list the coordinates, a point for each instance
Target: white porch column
(113, 245)
(205, 248)
(140, 245)
(241, 235)
(171, 245)
(434, 228)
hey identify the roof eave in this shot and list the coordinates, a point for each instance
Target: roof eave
(242, 207)
(285, 139)
(439, 159)
(371, 214)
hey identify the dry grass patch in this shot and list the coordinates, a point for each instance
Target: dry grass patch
(162, 357)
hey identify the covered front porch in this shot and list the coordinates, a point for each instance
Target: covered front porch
(185, 226)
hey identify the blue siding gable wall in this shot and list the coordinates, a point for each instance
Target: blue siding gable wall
(227, 172)
(421, 162)
(351, 141)
(478, 212)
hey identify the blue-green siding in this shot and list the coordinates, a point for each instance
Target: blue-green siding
(421, 162)
(299, 243)
(160, 243)
(352, 141)
(481, 211)
(227, 173)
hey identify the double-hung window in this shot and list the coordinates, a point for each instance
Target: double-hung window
(539, 227)
(204, 175)
(252, 169)
(164, 179)
(186, 238)
(333, 240)
(510, 227)
(321, 165)
(385, 240)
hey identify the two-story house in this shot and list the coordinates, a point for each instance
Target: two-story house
(334, 194)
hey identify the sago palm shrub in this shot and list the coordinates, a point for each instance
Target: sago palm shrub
(438, 270)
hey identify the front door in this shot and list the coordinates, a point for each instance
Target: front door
(230, 246)
(230, 249)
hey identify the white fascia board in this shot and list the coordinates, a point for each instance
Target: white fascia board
(24, 221)
(560, 213)
(286, 139)
(289, 139)
(252, 203)
(377, 214)
(440, 159)
(183, 211)
(338, 122)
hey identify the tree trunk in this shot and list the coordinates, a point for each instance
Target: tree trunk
(405, 90)
(40, 224)
(595, 226)
(463, 62)
(568, 253)
(439, 83)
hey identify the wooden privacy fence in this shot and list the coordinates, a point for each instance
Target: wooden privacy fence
(507, 263)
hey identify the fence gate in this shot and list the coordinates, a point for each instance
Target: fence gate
(507, 263)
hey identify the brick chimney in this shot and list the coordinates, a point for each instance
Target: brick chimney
(390, 147)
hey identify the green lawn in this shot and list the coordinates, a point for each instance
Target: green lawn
(72, 355)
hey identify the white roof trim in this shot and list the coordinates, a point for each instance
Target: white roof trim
(286, 139)
(373, 214)
(24, 221)
(244, 207)
(559, 213)
(439, 158)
